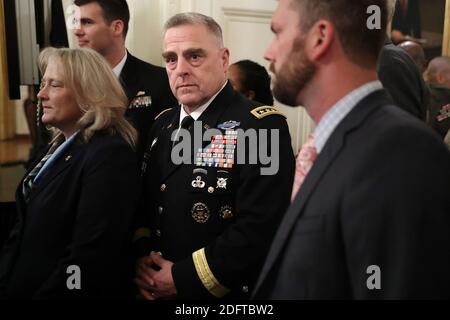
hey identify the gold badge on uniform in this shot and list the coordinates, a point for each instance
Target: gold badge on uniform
(226, 212)
(222, 183)
(200, 213)
(198, 183)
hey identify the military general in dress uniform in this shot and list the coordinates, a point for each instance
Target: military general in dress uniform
(208, 222)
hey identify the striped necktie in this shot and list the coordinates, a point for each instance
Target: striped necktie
(28, 182)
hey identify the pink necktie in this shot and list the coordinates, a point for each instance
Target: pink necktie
(305, 160)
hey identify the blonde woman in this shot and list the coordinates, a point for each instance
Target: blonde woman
(76, 204)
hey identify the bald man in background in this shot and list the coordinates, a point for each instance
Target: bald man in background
(438, 78)
(416, 52)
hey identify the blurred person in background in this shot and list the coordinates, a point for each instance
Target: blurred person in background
(438, 77)
(416, 52)
(400, 76)
(252, 80)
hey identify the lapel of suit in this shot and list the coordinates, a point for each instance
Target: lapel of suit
(165, 145)
(209, 119)
(64, 161)
(331, 150)
(36, 161)
(20, 202)
(128, 77)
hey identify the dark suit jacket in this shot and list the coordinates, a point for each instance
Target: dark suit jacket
(144, 83)
(402, 79)
(377, 194)
(242, 216)
(79, 214)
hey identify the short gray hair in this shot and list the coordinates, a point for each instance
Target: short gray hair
(194, 18)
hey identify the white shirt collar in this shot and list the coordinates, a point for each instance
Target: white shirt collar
(58, 151)
(340, 110)
(198, 112)
(118, 68)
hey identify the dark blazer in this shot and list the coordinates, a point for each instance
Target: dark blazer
(377, 194)
(402, 79)
(233, 222)
(148, 91)
(79, 214)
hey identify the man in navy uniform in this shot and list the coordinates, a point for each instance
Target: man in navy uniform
(210, 220)
(103, 27)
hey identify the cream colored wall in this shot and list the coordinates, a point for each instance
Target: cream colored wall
(70, 35)
(144, 38)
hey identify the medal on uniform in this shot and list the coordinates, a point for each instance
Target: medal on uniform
(229, 125)
(222, 183)
(226, 212)
(220, 152)
(198, 183)
(200, 212)
(147, 101)
(140, 101)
